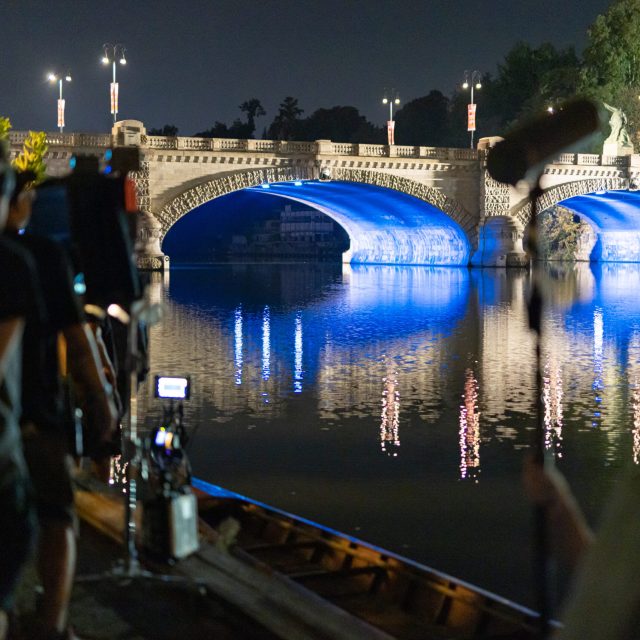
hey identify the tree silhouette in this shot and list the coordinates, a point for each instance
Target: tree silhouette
(168, 130)
(285, 125)
(254, 109)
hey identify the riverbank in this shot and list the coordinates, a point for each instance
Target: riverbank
(218, 597)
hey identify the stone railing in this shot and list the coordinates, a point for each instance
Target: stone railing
(89, 140)
(284, 147)
(290, 147)
(592, 159)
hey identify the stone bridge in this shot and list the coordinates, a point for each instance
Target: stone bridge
(179, 174)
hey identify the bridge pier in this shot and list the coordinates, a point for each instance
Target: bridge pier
(149, 255)
(500, 244)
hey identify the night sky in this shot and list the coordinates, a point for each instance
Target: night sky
(193, 62)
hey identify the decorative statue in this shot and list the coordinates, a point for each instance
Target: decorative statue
(619, 136)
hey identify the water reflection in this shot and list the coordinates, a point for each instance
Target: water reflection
(470, 430)
(598, 363)
(353, 345)
(552, 396)
(237, 335)
(390, 416)
(297, 351)
(266, 344)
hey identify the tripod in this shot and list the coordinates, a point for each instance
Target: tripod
(129, 568)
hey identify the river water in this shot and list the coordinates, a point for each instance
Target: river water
(396, 403)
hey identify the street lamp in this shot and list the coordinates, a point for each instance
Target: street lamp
(54, 77)
(390, 123)
(113, 52)
(471, 80)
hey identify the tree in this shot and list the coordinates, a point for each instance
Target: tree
(286, 124)
(254, 109)
(238, 129)
(531, 79)
(219, 130)
(169, 130)
(424, 121)
(340, 124)
(5, 127)
(31, 158)
(610, 71)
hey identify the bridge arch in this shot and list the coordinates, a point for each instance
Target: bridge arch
(413, 243)
(554, 195)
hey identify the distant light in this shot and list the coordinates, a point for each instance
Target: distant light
(264, 186)
(385, 100)
(298, 183)
(123, 60)
(550, 109)
(52, 77)
(465, 85)
(67, 78)
(108, 154)
(397, 100)
(72, 162)
(105, 60)
(478, 85)
(107, 169)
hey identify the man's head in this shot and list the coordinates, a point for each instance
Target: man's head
(21, 201)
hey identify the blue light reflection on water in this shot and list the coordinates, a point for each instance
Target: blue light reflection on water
(415, 396)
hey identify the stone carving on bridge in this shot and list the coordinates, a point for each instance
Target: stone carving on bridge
(619, 142)
(141, 180)
(207, 191)
(416, 189)
(496, 197)
(553, 196)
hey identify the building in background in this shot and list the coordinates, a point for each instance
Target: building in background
(294, 235)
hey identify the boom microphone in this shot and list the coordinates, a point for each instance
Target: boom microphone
(528, 148)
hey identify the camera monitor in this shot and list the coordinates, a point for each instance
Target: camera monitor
(172, 387)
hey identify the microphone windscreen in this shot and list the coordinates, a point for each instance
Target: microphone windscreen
(530, 146)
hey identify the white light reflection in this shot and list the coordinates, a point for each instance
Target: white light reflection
(297, 364)
(390, 416)
(552, 395)
(470, 429)
(266, 344)
(598, 362)
(237, 334)
(636, 424)
(118, 471)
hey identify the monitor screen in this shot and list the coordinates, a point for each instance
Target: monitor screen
(172, 387)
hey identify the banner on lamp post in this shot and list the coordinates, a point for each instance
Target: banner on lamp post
(114, 97)
(471, 117)
(391, 125)
(61, 112)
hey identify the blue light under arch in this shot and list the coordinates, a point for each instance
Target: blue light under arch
(615, 218)
(384, 226)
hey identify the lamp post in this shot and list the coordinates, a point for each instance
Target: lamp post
(54, 77)
(111, 53)
(471, 80)
(388, 99)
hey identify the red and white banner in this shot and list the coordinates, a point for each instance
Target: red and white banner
(471, 117)
(61, 113)
(114, 97)
(391, 125)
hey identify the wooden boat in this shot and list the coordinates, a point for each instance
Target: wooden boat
(402, 598)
